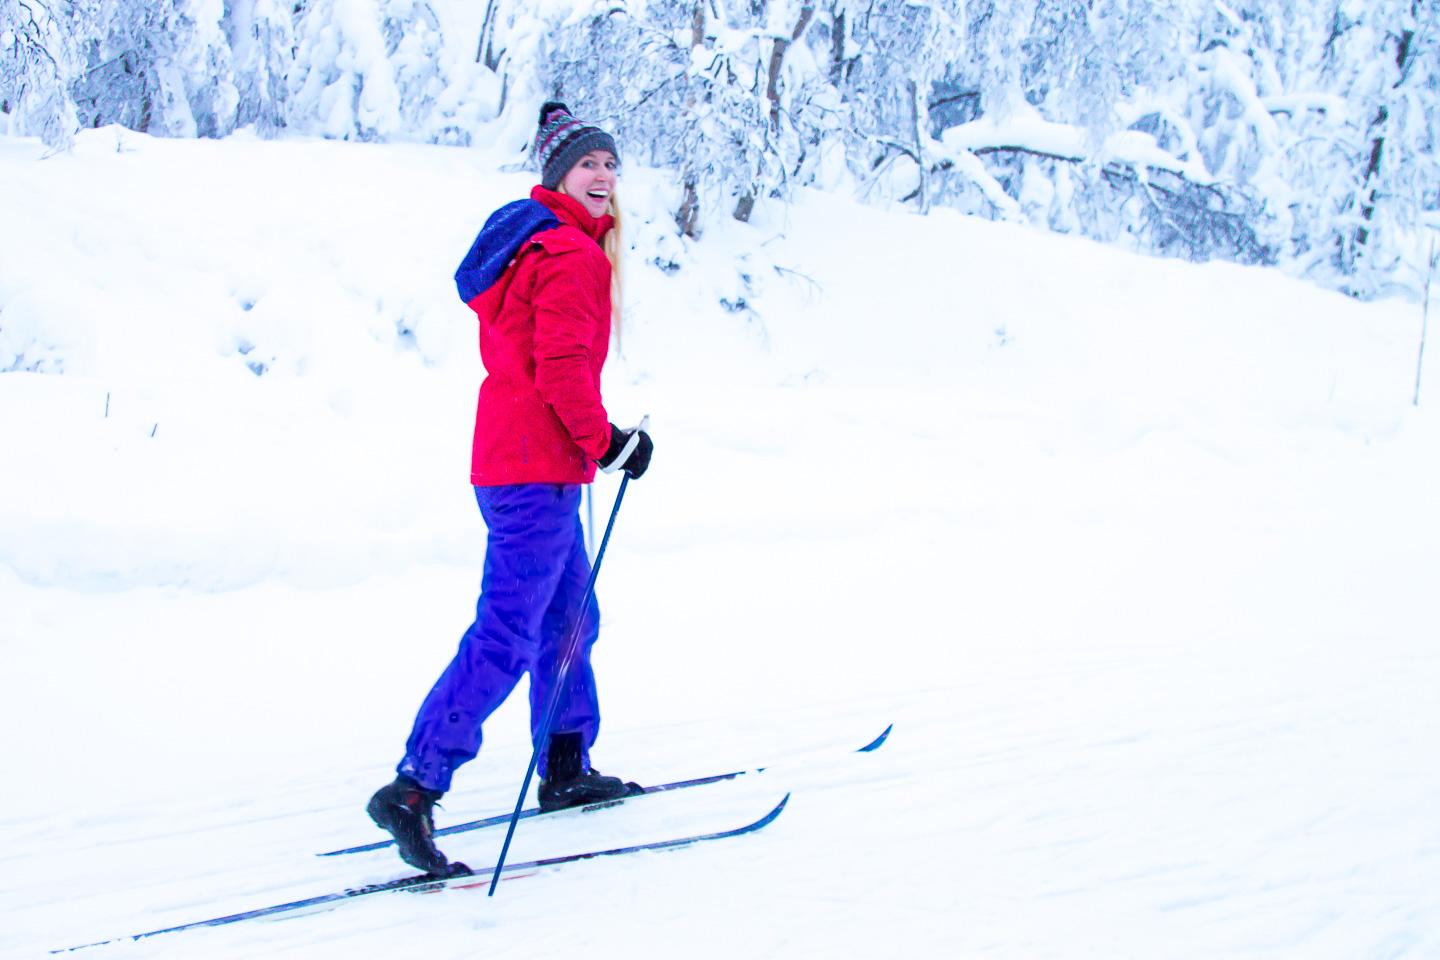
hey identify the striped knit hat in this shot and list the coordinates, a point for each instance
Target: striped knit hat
(562, 140)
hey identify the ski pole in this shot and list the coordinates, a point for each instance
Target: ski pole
(589, 522)
(551, 709)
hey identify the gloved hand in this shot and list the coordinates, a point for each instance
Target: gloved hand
(629, 451)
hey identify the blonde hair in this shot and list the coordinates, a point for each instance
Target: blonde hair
(613, 246)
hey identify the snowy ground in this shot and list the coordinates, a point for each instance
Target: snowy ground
(1140, 558)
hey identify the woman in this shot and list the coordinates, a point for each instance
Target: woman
(542, 277)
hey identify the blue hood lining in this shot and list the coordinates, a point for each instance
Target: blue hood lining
(499, 241)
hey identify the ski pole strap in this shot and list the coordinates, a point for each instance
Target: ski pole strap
(632, 441)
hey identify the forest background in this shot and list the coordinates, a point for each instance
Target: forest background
(1298, 133)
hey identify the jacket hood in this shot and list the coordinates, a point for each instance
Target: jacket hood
(499, 240)
(511, 227)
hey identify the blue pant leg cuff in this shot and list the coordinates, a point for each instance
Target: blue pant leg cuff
(425, 774)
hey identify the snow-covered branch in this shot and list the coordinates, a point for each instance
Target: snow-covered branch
(1313, 125)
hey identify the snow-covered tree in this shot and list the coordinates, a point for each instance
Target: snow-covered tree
(261, 37)
(1270, 131)
(675, 82)
(889, 61)
(368, 70)
(342, 84)
(1389, 50)
(161, 67)
(37, 61)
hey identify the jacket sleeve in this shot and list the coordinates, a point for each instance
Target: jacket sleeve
(568, 292)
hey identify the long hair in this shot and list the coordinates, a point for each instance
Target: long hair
(613, 247)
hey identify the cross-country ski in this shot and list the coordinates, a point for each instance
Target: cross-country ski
(432, 884)
(531, 812)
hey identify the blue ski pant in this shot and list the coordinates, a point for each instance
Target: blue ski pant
(536, 571)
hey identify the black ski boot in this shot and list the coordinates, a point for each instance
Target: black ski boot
(405, 809)
(568, 783)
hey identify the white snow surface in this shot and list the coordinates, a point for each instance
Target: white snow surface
(1139, 556)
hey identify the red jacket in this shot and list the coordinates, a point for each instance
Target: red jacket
(544, 335)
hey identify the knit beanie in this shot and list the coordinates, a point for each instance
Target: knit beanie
(562, 140)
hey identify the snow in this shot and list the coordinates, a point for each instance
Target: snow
(1139, 556)
(1022, 127)
(1230, 74)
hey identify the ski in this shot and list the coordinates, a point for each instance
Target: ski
(530, 812)
(428, 883)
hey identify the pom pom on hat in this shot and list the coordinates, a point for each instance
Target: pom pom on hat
(562, 139)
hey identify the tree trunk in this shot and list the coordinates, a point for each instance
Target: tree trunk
(687, 218)
(1370, 188)
(777, 60)
(745, 206)
(485, 49)
(837, 48)
(924, 188)
(1372, 172)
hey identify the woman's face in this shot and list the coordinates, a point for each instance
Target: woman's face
(592, 180)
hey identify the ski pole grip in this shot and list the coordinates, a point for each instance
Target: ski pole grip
(631, 442)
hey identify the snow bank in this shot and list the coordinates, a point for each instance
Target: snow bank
(1140, 557)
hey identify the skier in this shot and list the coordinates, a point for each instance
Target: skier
(543, 278)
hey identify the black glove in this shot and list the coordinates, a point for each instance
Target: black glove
(635, 463)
